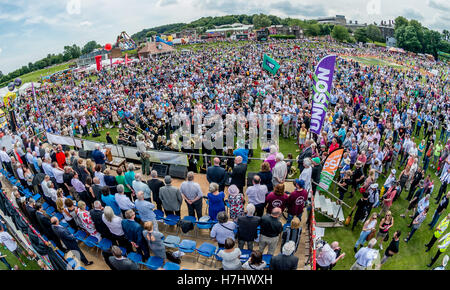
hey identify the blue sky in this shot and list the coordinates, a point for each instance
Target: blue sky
(29, 30)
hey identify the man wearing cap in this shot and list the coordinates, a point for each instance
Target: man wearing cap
(170, 197)
(315, 174)
(297, 200)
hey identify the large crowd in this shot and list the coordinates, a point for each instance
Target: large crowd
(375, 114)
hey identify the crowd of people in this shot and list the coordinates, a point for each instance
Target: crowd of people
(376, 113)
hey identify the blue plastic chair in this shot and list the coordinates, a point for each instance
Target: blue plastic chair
(36, 197)
(80, 235)
(59, 216)
(218, 259)
(245, 255)
(172, 241)
(159, 214)
(91, 241)
(203, 226)
(104, 244)
(190, 218)
(153, 263)
(72, 263)
(80, 268)
(187, 246)
(206, 250)
(71, 230)
(124, 251)
(171, 266)
(266, 258)
(50, 210)
(64, 224)
(135, 257)
(172, 220)
(45, 205)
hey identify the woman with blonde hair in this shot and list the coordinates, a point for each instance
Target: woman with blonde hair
(385, 224)
(154, 240)
(86, 221)
(292, 233)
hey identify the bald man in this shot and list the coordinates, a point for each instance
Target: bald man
(216, 174)
(270, 231)
(238, 174)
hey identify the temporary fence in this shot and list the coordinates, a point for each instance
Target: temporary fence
(22, 225)
(312, 236)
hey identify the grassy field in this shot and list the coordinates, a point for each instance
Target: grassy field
(374, 61)
(412, 255)
(12, 260)
(36, 75)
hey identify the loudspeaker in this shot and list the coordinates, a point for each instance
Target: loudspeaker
(178, 171)
(250, 178)
(161, 169)
(84, 154)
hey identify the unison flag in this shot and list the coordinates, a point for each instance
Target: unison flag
(323, 81)
(329, 169)
(270, 65)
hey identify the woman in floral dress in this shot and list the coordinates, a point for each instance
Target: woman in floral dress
(86, 221)
(236, 202)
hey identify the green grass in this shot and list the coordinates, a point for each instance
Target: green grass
(113, 132)
(374, 61)
(12, 260)
(36, 75)
(412, 255)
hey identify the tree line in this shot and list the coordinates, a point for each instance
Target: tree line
(70, 52)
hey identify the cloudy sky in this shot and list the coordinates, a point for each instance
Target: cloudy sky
(30, 29)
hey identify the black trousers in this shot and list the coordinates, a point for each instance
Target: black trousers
(438, 253)
(172, 212)
(195, 207)
(442, 189)
(431, 242)
(259, 209)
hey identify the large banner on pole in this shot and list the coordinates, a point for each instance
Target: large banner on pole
(323, 81)
(329, 169)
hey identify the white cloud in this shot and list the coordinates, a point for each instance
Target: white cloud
(0, 50)
(86, 24)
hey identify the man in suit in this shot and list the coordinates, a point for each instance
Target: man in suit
(96, 215)
(120, 263)
(170, 197)
(46, 226)
(238, 174)
(97, 188)
(32, 214)
(155, 184)
(133, 232)
(306, 153)
(68, 239)
(285, 260)
(247, 228)
(216, 174)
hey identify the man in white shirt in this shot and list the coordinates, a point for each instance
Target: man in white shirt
(279, 171)
(6, 160)
(10, 244)
(122, 200)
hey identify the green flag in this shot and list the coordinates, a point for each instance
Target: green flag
(270, 65)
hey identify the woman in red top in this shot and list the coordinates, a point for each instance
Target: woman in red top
(334, 145)
(277, 198)
(60, 157)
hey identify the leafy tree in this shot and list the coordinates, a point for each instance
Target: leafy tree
(1, 74)
(446, 34)
(360, 35)
(313, 30)
(400, 21)
(374, 33)
(261, 21)
(340, 33)
(90, 46)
